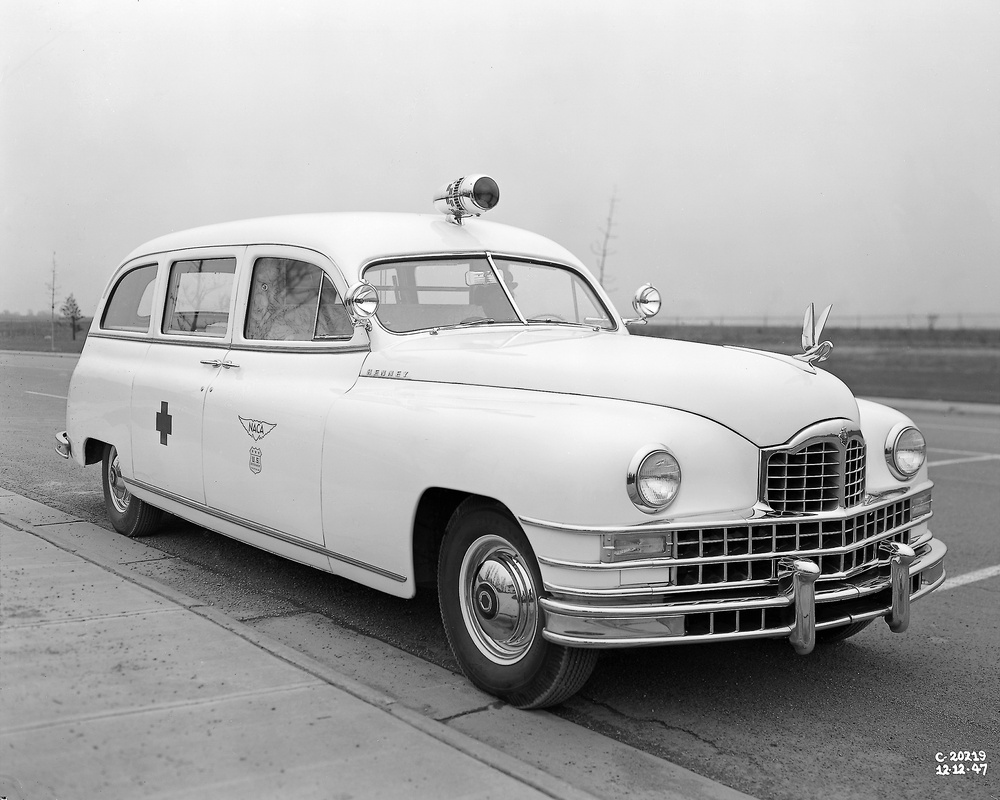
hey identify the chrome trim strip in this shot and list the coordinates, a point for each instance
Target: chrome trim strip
(317, 347)
(263, 529)
(770, 555)
(320, 347)
(218, 343)
(132, 336)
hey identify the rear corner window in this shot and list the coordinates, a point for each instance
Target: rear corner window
(131, 301)
(198, 297)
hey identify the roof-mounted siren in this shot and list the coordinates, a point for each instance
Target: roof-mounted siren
(467, 197)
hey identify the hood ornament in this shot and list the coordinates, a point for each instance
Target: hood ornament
(815, 350)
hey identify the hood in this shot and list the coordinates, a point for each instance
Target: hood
(765, 397)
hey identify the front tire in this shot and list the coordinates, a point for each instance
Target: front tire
(488, 588)
(128, 514)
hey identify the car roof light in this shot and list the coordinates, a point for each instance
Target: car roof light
(467, 197)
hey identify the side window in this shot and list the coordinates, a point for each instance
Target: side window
(294, 301)
(198, 296)
(131, 301)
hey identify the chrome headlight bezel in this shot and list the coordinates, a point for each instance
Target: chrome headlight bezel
(643, 468)
(893, 448)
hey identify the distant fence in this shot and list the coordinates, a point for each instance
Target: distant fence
(837, 320)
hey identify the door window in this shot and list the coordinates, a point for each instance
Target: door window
(198, 297)
(294, 301)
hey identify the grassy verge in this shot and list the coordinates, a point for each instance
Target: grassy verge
(960, 366)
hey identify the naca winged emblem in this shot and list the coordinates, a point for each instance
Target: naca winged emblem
(257, 428)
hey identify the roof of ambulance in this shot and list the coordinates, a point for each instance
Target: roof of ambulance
(351, 239)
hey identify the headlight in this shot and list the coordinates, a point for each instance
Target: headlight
(905, 451)
(653, 478)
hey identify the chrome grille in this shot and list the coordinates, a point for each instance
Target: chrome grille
(854, 473)
(765, 543)
(821, 475)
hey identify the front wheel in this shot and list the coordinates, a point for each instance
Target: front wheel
(488, 588)
(128, 514)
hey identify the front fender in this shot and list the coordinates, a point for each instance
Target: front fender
(548, 456)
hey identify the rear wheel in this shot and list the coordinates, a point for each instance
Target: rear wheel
(128, 514)
(831, 635)
(488, 587)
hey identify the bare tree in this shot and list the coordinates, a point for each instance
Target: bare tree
(602, 249)
(52, 307)
(72, 314)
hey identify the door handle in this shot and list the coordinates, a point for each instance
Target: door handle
(230, 365)
(216, 363)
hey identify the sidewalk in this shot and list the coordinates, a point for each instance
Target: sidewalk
(115, 686)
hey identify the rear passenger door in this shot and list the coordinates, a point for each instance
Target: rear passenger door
(294, 354)
(187, 353)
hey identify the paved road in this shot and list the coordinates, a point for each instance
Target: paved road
(863, 719)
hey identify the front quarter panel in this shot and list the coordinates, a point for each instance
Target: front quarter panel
(547, 456)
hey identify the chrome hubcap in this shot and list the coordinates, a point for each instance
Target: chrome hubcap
(498, 600)
(120, 495)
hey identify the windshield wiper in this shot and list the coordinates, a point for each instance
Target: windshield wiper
(557, 321)
(467, 323)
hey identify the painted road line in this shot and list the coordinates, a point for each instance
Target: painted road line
(962, 460)
(970, 577)
(963, 428)
(960, 452)
(43, 394)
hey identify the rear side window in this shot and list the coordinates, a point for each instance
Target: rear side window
(131, 301)
(294, 301)
(198, 296)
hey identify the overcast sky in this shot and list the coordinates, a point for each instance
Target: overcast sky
(763, 155)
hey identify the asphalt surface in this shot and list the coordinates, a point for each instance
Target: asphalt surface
(865, 718)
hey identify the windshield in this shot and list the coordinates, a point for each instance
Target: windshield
(481, 290)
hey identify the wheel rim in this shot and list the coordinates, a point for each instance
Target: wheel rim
(498, 599)
(120, 495)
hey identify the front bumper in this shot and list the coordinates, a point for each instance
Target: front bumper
(754, 577)
(796, 611)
